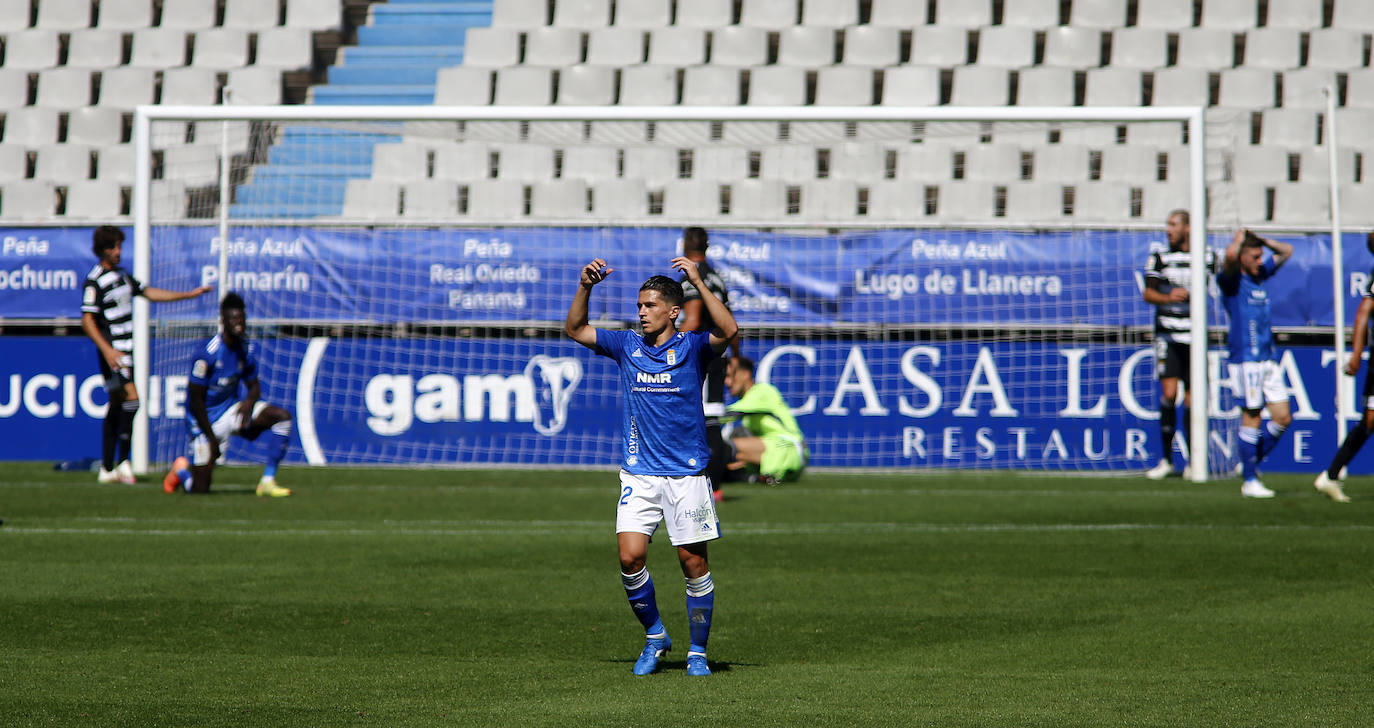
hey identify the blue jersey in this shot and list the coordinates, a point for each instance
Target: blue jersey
(221, 368)
(662, 424)
(1247, 305)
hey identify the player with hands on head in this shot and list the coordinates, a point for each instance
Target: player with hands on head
(664, 450)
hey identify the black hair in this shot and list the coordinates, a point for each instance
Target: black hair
(669, 289)
(694, 239)
(1251, 241)
(231, 300)
(104, 238)
(1369, 242)
(745, 363)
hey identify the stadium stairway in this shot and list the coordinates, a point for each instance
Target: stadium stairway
(395, 62)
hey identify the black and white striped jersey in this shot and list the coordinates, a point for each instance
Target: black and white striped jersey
(109, 295)
(1165, 271)
(715, 283)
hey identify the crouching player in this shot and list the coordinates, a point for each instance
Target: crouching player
(775, 445)
(215, 410)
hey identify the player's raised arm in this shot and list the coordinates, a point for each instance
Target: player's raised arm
(162, 295)
(1232, 260)
(726, 328)
(576, 327)
(1282, 251)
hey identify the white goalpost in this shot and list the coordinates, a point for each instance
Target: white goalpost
(943, 287)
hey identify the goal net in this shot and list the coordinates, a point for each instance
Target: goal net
(929, 288)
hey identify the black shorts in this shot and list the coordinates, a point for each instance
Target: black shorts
(1369, 384)
(1171, 360)
(116, 379)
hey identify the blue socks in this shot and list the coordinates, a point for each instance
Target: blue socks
(701, 601)
(639, 589)
(275, 441)
(1269, 437)
(1255, 444)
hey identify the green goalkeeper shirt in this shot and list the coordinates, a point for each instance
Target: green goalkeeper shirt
(764, 412)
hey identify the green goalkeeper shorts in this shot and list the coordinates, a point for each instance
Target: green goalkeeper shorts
(784, 458)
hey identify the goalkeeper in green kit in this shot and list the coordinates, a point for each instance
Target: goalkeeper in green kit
(775, 446)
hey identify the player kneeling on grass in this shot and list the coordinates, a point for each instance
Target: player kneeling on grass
(222, 367)
(775, 446)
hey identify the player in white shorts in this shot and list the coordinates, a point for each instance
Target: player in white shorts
(665, 454)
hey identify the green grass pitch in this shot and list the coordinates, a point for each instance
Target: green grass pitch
(433, 597)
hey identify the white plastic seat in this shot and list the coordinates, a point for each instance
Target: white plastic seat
(523, 86)
(462, 162)
(1033, 14)
(496, 199)
(190, 86)
(777, 86)
(911, 86)
(1035, 202)
(938, 45)
(1273, 48)
(582, 13)
(648, 85)
(95, 49)
(896, 200)
(965, 202)
(429, 199)
(1104, 201)
(1289, 128)
(1072, 47)
(963, 13)
(494, 47)
(736, 45)
(1357, 204)
(759, 200)
(720, 163)
(519, 13)
(285, 48)
(213, 133)
(399, 162)
(710, 86)
(615, 46)
(1353, 15)
(29, 199)
(63, 14)
(166, 134)
(673, 46)
(253, 86)
(1140, 48)
(96, 126)
(1337, 49)
(860, 161)
(64, 88)
(1063, 163)
(1208, 48)
(656, 166)
(1302, 203)
(523, 162)
(63, 163)
(805, 46)
(553, 46)
(195, 165)
(14, 15)
(620, 200)
(1102, 14)
(709, 14)
(167, 200)
(1259, 163)
(222, 48)
(1129, 163)
(14, 88)
(93, 200)
(125, 14)
(691, 200)
(158, 48)
(586, 86)
(590, 163)
(31, 50)
(31, 126)
(844, 86)
(371, 199)
(314, 14)
(1006, 46)
(645, 14)
(1164, 14)
(1178, 86)
(829, 200)
(792, 163)
(1302, 88)
(560, 199)
(188, 15)
(250, 14)
(979, 86)
(1352, 127)
(1112, 87)
(871, 45)
(1094, 135)
(830, 13)
(1159, 199)
(557, 132)
(1246, 88)
(770, 14)
(1045, 86)
(897, 13)
(992, 162)
(1295, 14)
(463, 86)
(1230, 14)
(1360, 89)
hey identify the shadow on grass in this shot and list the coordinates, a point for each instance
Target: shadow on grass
(716, 666)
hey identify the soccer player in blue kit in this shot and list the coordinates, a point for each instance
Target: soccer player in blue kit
(663, 467)
(1253, 367)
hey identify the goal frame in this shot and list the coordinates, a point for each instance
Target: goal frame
(1192, 118)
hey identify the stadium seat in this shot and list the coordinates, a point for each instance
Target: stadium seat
(1336, 49)
(194, 165)
(1168, 15)
(1045, 86)
(645, 14)
(1112, 87)
(495, 200)
(221, 49)
(937, 45)
(1130, 163)
(523, 162)
(158, 48)
(650, 86)
(1357, 204)
(770, 14)
(776, 86)
(656, 166)
(188, 15)
(30, 126)
(739, 46)
(1206, 48)
(1273, 48)
(589, 163)
(429, 199)
(523, 86)
(285, 48)
(251, 14)
(1246, 88)
(586, 86)
(980, 86)
(1352, 127)
(14, 15)
(791, 163)
(871, 45)
(168, 134)
(560, 199)
(962, 13)
(1178, 86)
(1302, 203)
(1360, 88)
(1064, 163)
(711, 86)
(691, 200)
(167, 200)
(991, 162)
(1006, 46)
(462, 162)
(1158, 199)
(1033, 14)
(844, 86)
(673, 46)
(1035, 202)
(709, 14)
(620, 199)
(1230, 14)
(214, 132)
(1094, 135)
(720, 163)
(1303, 88)
(95, 49)
(31, 50)
(253, 86)
(897, 13)
(125, 14)
(1353, 15)
(1295, 14)
(1101, 201)
(14, 88)
(14, 162)
(964, 202)
(1144, 48)
(585, 14)
(28, 200)
(371, 199)
(1102, 14)
(190, 86)
(64, 88)
(519, 13)
(1070, 47)
(863, 162)
(805, 46)
(557, 133)
(314, 14)
(495, 47)
(1259, 163)
(830, 13)
(463, 86)
(911, 86)
(63, 163)
(1293, 128)
(399, 162)
(829, 200)
(615, 46)
(96, 126)
(63, 14)
(553, 46)
(896, 200)
(757, 200)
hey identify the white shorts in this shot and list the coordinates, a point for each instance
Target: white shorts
(1257, 383)
(226, 425)
(684, 503)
